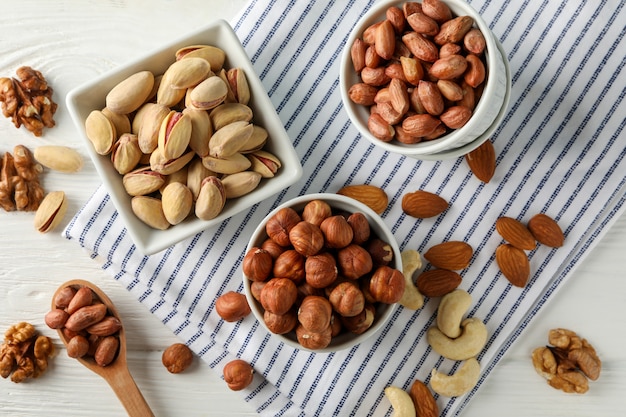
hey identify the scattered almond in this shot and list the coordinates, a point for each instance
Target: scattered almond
(513, 264)
(438, 282)
(514, 232)
(453, 255)
(423, 400)
(546, 230)
(482, 161)
(422, 204)
(370, 195)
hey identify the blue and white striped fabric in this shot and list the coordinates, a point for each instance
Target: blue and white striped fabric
(560, 151)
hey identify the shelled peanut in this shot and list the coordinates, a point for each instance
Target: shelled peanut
(320, 273)
(86, 323)
(185, 140)
(421, 69)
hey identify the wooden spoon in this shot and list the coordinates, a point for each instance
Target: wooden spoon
(115, 374)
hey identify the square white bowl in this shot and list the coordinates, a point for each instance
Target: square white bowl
(91, 96)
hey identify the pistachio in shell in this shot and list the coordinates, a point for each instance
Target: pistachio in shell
(227, 113)
(228, 140)
(208, 94)
(214, 55)
(166, 166)
(230, 165)
(166, 95)
(150, 211)
(174, 134)
(51, 211)
(126, 154)
(238, 85)
(131, 93)
(142, 181)
(241, 183)
(211, 198)
(196, 172)
(59, 158)
(120, 121)
(201, 131)
(100, 131)
(264, 163)
(152, 116)
(177, 202)
(256, 141)
(187, 73)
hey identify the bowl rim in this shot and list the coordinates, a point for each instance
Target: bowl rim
(431, 147)
(218, 33)
(387, 309)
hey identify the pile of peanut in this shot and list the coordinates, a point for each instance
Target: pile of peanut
(422, 72)
(86, 323)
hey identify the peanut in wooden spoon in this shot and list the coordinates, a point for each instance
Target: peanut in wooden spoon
(116, 374)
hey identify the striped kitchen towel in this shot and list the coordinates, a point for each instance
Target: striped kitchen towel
(560, 151)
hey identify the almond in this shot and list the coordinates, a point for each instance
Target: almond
(423, 400)
(546, 230)
(482, 161)
(438, 282)
(370, 195)
(422, 204)
(514, 232)
(452, 255)
(513, 264)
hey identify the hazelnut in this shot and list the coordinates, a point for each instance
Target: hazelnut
(316, 211)
(335, 324)
(305, 289)
(279, 225)
(279, 295)
(347, 299)
(314, 313)
(257, 264)
(312, 340)
(337, 232)
(255, 289)
(290, 264)
(354, 261)
(232, 306)
(380, 251)
(280, 323)
(321, 270)
(361, 322)
(272, 247)
(177, 358)
(387, 285)
(238, 374)
(306, 238)
(360, 228)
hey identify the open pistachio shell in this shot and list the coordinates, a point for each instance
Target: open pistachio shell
(256, 141)
(227, 113)
(208, 94)
(166, 166)
(100, 131)
(142, 181)
(230, 165)
(50, 211)
(230, 139)
(152, 115)
(126, 153)
(120, 121)
(196, 172)
(131, 93)
(174, 134)
(264, 163)
(201, 131)
(214, 55)
(211, 199)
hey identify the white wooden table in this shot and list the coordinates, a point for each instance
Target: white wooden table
(72, 41)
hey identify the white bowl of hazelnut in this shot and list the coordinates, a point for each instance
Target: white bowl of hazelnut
(428, 79)
(322, 272)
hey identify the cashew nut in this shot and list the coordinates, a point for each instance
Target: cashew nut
(457, 384)
(411, 262)
(400, 401)
(469, 344)
(451, 309)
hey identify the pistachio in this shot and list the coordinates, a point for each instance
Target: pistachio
(201, 131)
(150, 211)
(214, 55)
(174, 134)
(100, 131)
(59, 158)
(120, 121)
(256, 141)
(187, 72)
(264, 163)
(230, 165)
(238, 85)
(227, 113)
(152, 115)
(166, 95)
(142, 181)
(126, 154)
(196, 172)
(208, 94)
(131, 93)
(211, 198)
(241, 183)
(50, 211)
(177, 202)
(179, 176)
(166, 166)
(229, 139)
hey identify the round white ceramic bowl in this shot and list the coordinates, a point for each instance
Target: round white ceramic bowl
(338, 203)
(487, 114)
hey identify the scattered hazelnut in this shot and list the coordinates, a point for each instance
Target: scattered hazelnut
(387, 285)
(279, 295)
(238, 374)
(232, 306)
(314, 313)
(316, 211)
(337, 232)
(257, 264)
(306, 238)
(177, 358)
(280, 224)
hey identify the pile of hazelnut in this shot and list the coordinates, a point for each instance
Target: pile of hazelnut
(321, 273)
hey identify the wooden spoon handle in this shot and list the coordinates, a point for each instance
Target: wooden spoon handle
(128, 393)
